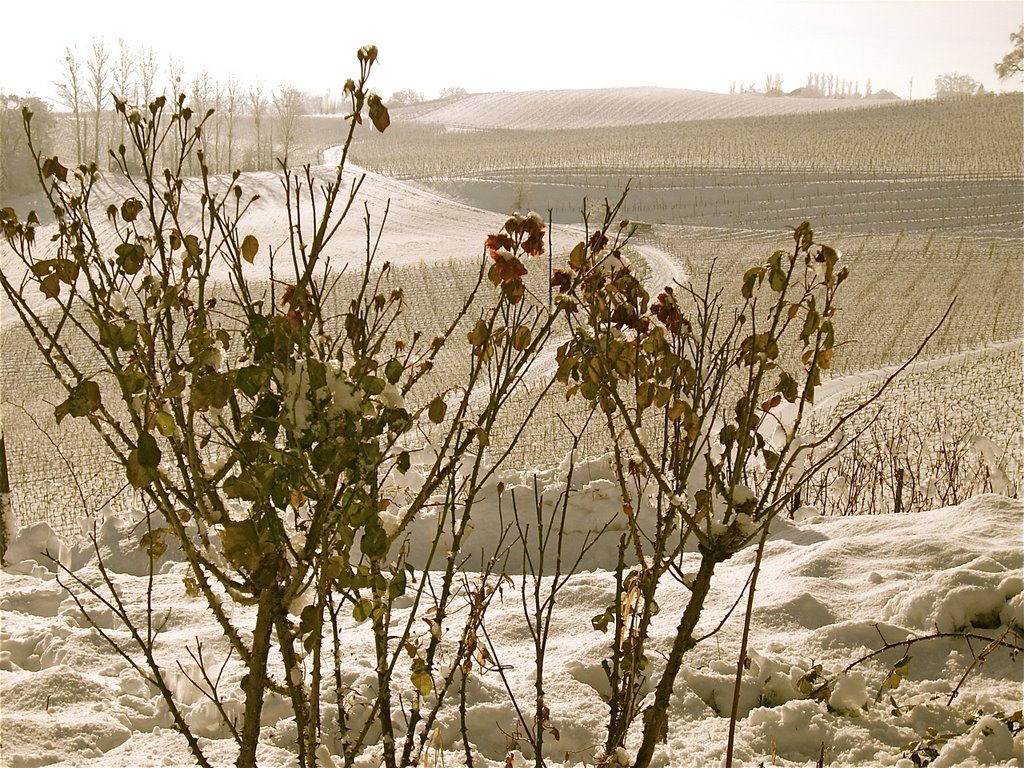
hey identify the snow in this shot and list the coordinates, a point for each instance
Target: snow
(602, 107)
(830, 590)
(413, 218)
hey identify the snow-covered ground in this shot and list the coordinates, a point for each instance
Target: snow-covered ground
(830, 590)
(415, 218)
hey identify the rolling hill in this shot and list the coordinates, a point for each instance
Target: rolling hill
(606, 107)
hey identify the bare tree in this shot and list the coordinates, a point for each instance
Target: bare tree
(218, 123)
(18, 173)
(7, 132)
(201, 100)
(257, 106)
(148, 69)
(175, 76)
(773, 85)
(287, 109)
(124, 84)
(174, 88)
(99, 73)
(71, 91)
(200, 92)
(232, 99)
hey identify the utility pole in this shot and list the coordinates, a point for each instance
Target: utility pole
(911, 90)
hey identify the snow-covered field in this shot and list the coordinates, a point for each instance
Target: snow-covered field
(414, 218)
(603, 107)
(830, 590)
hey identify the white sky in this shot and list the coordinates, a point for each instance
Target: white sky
(524, 44)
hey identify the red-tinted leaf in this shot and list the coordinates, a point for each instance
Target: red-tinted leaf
(509, 268)
(498, 242)
(287, 295)
(562, 280)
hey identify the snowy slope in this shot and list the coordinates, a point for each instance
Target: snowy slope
(414, 219)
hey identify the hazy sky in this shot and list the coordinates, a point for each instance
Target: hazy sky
(524, 44)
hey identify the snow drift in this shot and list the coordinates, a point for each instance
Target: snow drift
(831, 591)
